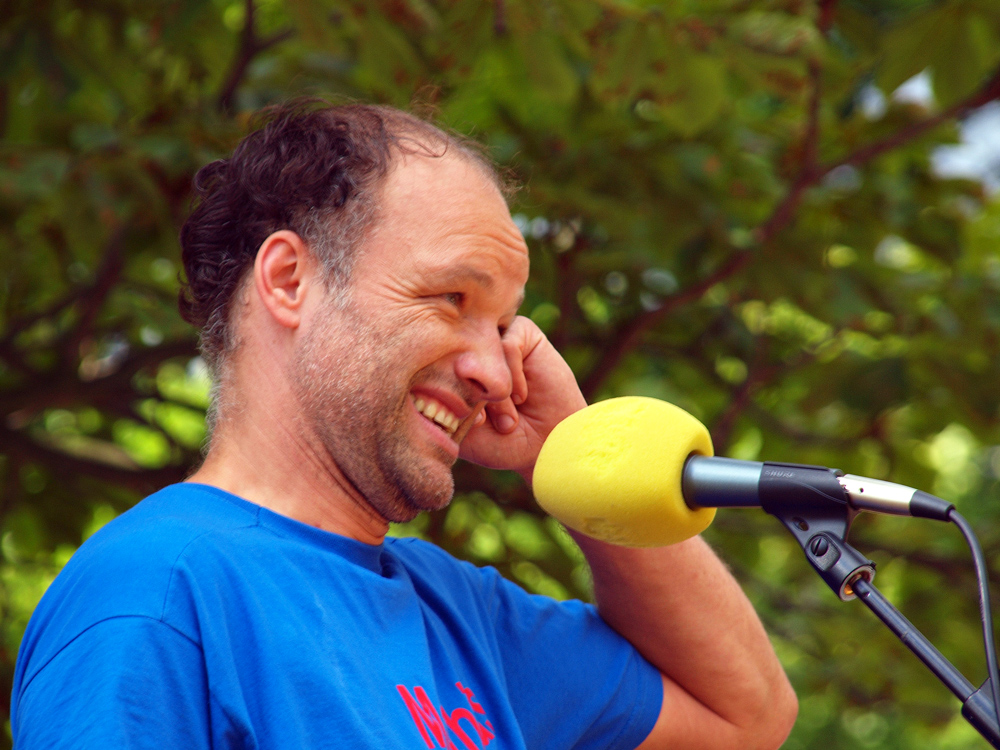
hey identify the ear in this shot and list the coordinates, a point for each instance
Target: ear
(282, 273)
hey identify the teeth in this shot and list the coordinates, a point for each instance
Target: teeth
(448, 421)
(438, 413)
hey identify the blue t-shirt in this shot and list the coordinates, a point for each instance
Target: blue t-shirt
(198, 619)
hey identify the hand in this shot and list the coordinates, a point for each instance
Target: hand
(543, 393)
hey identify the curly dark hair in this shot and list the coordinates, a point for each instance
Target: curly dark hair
(309, 167)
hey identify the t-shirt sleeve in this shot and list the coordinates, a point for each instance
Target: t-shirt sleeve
(126, 682)
(572, 680)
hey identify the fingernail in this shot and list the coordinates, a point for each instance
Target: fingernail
(517, 398)
(505, 423)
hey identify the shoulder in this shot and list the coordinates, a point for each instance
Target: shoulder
(132, 559)
(131, 566)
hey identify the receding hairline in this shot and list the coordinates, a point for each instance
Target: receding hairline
(415, 136)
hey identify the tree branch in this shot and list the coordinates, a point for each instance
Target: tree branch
(63, 464)
(144, 358)
(773, 424)
(565, 288)
(14, 360)
(4, 108)
(107, 276)
(10, 484)
(956, 570)
(499, 18)
(627, 338)
(785, 210)
(756, 377)
(827, 10)
(93, 296)
(65, 389)
(18, 325)
(250, 46)
(810, 173)
(990, 91)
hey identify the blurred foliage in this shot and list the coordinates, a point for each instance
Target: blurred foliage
(725, 206)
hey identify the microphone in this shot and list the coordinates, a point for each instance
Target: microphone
(640, 472)
(731, 483)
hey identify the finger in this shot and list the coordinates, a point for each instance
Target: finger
(513, 349)
(503, 416)
(476, 417)
(520, 340)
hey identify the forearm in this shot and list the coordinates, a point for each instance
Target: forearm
(685, 613)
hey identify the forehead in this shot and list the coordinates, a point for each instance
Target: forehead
(442, 210)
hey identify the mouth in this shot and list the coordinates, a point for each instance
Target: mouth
(437, 412)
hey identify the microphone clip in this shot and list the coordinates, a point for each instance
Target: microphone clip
(814, 507)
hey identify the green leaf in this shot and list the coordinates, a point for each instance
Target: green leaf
(956, 42)
(962, 60)
(776, 33)
(696, 98)
(910, 48)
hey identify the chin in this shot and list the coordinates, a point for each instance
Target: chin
(411, 498)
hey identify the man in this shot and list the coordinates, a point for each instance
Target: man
(357, 277)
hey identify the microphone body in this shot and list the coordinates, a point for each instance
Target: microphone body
(716, 482)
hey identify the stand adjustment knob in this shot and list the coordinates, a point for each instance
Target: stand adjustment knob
(823, 552)
(818, 546)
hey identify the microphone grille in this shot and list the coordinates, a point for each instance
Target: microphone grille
(613, 471)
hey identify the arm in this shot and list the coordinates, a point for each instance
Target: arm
(678, 605)
(682, 610)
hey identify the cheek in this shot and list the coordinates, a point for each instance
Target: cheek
(413, 344)
(432, 328)
(412, 334)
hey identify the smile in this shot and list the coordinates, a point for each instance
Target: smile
(437, 413)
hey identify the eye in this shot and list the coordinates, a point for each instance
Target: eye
(454, 298)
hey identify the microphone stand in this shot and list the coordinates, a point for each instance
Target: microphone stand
(810, 502)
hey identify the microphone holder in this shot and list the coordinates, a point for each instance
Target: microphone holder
(811, 504)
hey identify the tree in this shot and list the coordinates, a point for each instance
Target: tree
(717, 216)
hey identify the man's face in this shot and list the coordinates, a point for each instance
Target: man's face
(385, 379)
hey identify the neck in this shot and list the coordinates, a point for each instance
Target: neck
(280, 465)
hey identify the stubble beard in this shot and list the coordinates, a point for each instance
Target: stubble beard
(355, 403)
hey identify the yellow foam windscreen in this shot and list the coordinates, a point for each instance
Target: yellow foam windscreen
(613, 471)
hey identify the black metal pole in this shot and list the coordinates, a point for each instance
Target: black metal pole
(814, 507)
(977, 705)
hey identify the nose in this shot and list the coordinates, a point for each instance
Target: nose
(483, 365)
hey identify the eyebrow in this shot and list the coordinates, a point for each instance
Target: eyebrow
(460, 273)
